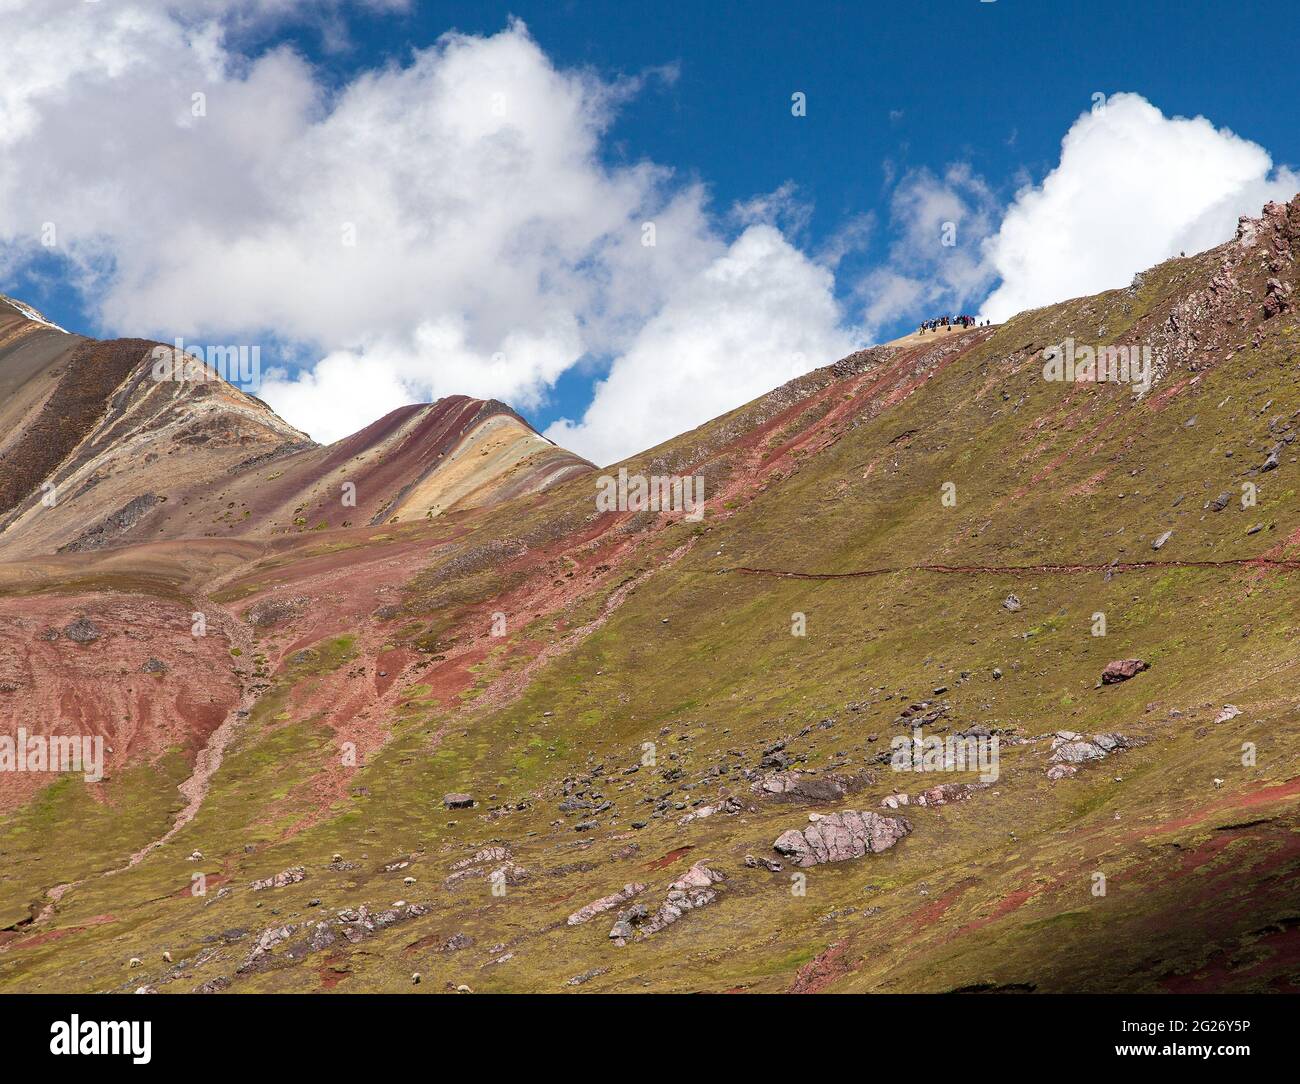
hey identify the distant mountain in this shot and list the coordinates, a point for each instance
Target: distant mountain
(97, 451)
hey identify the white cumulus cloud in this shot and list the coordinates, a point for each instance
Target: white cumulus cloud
(447, 224)
(1132, 188)
(457, 220)
(758, 315)
(935, 264)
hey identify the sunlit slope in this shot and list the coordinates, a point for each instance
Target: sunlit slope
(648, 672)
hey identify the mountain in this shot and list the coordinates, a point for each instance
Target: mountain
(125, 457)
(614, 749)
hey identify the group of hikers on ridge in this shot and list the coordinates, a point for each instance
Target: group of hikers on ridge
(950, 321)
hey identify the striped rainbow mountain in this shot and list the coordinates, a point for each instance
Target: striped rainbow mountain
(96, 453)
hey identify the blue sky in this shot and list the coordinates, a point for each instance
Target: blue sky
(916, 113)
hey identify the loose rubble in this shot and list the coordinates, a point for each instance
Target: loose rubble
(807, 787)
(938, 795)
(352, 924)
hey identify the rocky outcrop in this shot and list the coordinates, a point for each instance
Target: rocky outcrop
(275, 610)
(693, 890)
(837, 837)
(729, 806)
(939, 795)
(120, 522)
(605, 903)
(353, 924)
(806, 787)
(503, 867)
(280, 880)
(1121, 670)
(82, 631)
(1069, 750)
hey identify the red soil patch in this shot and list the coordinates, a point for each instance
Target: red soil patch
(99, 689)
(451, 677)
(1246, 800)
(391, 663)
(211, 881)
(432, 941)
(1011, 902)
(936, 909)
(57, 935)
(1089, 485)
(1283, 954)
(668, 859)
(1203, 855)
(1159, 401)
(331, 976)
(1089, 438)
(823, 969)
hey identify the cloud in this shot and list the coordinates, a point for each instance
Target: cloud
(447, 224)
(758, 315)
(1132, 189)
(458, 222)
(935, 262)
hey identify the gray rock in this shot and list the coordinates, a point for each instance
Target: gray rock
(280, 880)
(82, 631)
(1072, 749)
(625, 926)
(1122, 669)
(838, 837)
(605, 903)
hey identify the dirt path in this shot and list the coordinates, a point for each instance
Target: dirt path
(1279, 564)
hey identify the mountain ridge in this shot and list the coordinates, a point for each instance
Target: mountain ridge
(539, 712)
(96, 445)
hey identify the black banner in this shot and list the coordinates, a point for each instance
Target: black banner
(333, 1031)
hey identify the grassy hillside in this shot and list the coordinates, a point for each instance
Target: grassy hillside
(649, 671)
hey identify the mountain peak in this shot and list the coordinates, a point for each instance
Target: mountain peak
(27, 312)
(104, 446)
